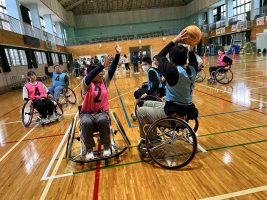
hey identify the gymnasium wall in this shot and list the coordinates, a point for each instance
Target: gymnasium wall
(14, 39)
(92, 49)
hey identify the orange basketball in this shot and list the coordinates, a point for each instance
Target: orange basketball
(194, 35)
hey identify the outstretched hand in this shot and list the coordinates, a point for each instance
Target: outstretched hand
(107, 61)
(118, 49)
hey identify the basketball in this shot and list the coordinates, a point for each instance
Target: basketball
(194, 35)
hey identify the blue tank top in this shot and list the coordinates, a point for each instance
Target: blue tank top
(181, 93)
(58, 79)
(150, 83)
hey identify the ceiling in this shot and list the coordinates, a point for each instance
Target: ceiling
(84, 7)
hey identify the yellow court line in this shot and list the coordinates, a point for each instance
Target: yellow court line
(237, 194)
(10, 150)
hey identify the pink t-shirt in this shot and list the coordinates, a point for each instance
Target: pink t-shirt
(96, 98)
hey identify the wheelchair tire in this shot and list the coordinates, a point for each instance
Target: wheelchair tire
(70, 139)
(70, 96)
(121, 129)
(171, 142)
(26, 116)
(201, 75)
(195, 124)
(224, 79)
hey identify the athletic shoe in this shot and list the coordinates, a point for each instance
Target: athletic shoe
(133, 116)
(106, 153)
(90, 156)
(52, 118)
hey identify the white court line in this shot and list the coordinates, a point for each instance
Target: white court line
(122, 95)
(10, 122)
(49, 183)
(201, 148)
(57, 151)
(239, 193)
(10, 150)
(224, 91)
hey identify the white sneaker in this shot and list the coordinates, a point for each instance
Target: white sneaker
(90, 156)
(106, 153)
(52, 118)
(44, 121)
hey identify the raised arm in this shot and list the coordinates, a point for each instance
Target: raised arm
(47, 72)
(115, 62)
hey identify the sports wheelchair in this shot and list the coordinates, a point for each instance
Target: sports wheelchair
(29, 113)
(223, 75)
(75, 150)
(170, 141)
(67, 96)
(201, 74)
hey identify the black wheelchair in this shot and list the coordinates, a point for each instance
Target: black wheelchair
(201, 74)
(75, 150)
(29, 114)
(67, 96)
(170, 141)
(223, 75)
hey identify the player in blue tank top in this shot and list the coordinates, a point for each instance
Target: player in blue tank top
(60, 81)
(180, 78)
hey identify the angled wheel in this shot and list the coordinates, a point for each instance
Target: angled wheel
(27, 114)
(201, 75)
(70, 96)
(121, 130)
(224, 76)
(171, 142)
(70, 139)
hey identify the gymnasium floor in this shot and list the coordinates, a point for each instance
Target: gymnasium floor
(232, 134)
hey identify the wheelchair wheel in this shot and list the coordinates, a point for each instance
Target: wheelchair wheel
(27, 114)
(70, 139)
(193, 123)
(70, 96)
(201, 75)
(171, 142)
(121, 129)
(224, 76)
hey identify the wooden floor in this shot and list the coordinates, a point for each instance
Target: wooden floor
(233, 132)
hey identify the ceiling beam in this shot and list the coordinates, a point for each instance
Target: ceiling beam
(70, 7)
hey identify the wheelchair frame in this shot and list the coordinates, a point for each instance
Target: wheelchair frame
(64, 97)
(26, 122)
(146, 147)
(116, 150)
(222, 73)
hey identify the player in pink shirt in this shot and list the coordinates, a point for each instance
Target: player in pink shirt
(94, 112)
(37, 93)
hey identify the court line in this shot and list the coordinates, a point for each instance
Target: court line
(123, 108)
(12, 148)
(237, 194)
(236, 145)
(49, 183)
(231, 101)
(14, 122)
(235, 130)
(58, 150)
(37, 138)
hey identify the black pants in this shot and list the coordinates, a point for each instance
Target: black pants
(44, 107)
(213, 69)
(135, 67)
(127, 66)
(138, 93)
